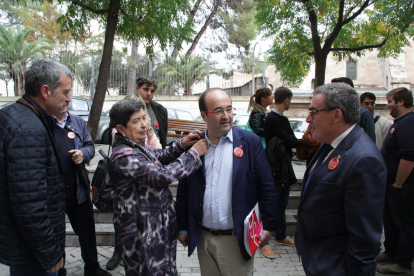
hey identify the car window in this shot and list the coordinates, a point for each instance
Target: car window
(184, 115)
(171, 113)
(241, 120)
(79, 105)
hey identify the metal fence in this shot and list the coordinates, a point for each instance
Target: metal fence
(181, 76)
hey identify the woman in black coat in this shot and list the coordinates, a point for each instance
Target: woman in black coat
(257, 105)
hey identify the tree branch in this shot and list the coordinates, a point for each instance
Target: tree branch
(361, 48)
(77, 3)
(358, 12)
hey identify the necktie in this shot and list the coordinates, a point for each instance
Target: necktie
(324, 152)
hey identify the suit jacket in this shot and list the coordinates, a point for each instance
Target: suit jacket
(252, 183)
(162, 117)
(340, 213)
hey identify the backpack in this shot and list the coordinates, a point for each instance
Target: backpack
(101, 185)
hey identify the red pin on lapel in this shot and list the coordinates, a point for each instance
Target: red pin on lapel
(333, 163)
(156, 124)
(71, 135)
(238, 152)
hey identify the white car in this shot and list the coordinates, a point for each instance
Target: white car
(299, 126)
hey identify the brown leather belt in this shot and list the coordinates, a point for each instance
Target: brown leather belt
(229, 232)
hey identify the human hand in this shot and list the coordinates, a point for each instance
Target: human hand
(57, 266)
(77, 156)
(200, 147)
(191, 138)
(183, 239)
(265, 238)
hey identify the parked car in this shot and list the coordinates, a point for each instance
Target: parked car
(78, 106)
(299, 126)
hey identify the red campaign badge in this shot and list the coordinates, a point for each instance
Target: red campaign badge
(392, 130)
(333, 163)
(238, 152)
(156, 124)
(71, 135)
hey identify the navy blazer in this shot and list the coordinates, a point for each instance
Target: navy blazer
(340, 213)
(252, 183)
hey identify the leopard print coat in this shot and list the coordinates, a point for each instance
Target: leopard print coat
(144, 215)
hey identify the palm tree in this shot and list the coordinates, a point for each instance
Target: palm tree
(183, 73)
(16, 53)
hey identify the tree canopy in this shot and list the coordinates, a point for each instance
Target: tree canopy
(306, 31)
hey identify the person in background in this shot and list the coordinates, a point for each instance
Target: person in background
(257, 105)
(398, 154)
(32, 199)
(340, 211)
(312, 144)
(277, 125)
(144, 214)
(365, 118)
(382, 125)
(146, 87)
(213, 202)
(74, 149)
(152, 141)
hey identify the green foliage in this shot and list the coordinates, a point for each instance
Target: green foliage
(16, 53)
(183, 73)
(307, 31)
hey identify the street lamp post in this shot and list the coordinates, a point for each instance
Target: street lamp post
(259, 59)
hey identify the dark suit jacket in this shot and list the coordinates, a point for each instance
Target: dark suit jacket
(162, 117)
(340, 213)
(252, 183)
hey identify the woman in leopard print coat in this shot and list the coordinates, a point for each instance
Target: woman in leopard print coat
(144, 214)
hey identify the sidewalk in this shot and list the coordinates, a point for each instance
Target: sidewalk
(286, 264)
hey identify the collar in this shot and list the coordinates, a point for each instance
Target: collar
(277, 112)
(341, 137)
(374, 114)
(63, 123)
(229, 135)
(402, 116)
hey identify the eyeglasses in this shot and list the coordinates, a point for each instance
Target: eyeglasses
(312, 112)
(219, 112)
(368, 103)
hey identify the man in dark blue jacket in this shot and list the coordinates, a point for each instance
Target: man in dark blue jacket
(32, 210)
(74, 149)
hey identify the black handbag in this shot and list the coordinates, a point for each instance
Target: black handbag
(101, 185)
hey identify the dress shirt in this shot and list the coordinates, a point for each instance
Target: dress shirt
(63, 123)
(218, 166)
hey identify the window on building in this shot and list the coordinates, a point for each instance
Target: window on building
(351, 70)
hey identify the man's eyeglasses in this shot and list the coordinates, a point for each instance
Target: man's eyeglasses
(368, 103)
(219, 112)
(312, 112)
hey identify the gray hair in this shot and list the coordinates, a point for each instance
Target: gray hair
(122, 111)
(342, 96)
(44, 72)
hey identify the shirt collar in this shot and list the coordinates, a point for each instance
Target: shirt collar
(402, 116)
(277, 112)
(63, 123)
(341, 137)
(229, 136)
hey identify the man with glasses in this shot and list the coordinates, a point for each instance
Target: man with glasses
(277, 125)
(340, 212)
(213, 202)
(382, 125)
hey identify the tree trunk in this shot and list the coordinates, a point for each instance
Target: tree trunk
(217, 4)
(132, 68)
(193, 12)
(104, 68)
(320, 68)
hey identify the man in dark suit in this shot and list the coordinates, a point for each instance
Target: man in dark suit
(213, 202)
(340, 213)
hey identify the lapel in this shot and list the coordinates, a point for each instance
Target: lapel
(323, 170)
(238, 140)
